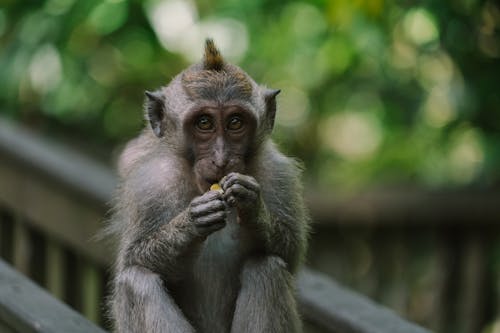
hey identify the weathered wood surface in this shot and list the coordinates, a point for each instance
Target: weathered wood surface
(26, 308)
(62, 215)
(341, 310)
(63, 166)
(406, 206)
(61, 192)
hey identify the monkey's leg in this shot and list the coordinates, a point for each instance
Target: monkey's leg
(142, 304)
(266, 302)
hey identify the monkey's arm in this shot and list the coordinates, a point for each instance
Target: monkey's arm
(160, 248)
(166, 245)
(275, 211)
(151, 256)
(266, 300)
(287, 229)
(141, 302)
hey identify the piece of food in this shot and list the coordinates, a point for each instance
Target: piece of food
(215, 187)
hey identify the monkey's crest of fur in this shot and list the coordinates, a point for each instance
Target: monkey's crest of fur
(213, 59)
(215, 77)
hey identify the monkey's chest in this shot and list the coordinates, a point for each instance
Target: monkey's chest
(221, 257)
(214, 284)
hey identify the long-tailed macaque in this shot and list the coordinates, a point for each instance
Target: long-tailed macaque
(192, 259)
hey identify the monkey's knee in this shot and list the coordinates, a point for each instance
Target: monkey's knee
(267, 270)
(138, 283)
(266, 302)
(134, 287)
(142, 304)
(268, 278)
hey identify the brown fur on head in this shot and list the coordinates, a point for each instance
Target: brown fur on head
(212, 59)
(216, 79)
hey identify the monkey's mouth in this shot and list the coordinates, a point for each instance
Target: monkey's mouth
(210, 181)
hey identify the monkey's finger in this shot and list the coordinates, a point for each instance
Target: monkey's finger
(206, 197)
(207, 207)
(240, 202)
(235, 178)
(207, 230)
(240, 192)
(213, 218)
(231, 201)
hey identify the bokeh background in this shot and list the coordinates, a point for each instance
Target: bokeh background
(399, 99)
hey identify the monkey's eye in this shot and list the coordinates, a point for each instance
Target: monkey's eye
(235, 123)
(204, 123)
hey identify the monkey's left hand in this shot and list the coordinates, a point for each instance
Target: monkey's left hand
(242, 192)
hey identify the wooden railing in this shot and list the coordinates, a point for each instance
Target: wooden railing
(52, 204)
(432, 255)
(26, 308)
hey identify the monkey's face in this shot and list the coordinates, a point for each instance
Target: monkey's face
(220, 140)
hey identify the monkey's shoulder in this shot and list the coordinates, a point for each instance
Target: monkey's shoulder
(278, 169)
(135, 151)
(155, 179)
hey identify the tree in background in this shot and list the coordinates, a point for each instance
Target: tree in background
(374, 92)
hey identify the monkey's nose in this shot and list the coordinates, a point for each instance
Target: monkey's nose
(220, 163)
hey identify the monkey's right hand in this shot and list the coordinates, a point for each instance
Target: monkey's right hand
(207, 213)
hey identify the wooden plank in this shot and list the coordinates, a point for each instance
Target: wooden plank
(91, 292)
(6, 236)
(56, 278)
(6, 329)
(22, 246)
(474, 281)
(26, 308)
(340, 310)
(62, 215)
(60, 163)
(405, 206)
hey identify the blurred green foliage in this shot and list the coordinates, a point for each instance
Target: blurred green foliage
(374, 91)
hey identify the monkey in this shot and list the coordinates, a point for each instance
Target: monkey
(191, 259)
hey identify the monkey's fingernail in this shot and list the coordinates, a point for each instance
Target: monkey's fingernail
(231, 201)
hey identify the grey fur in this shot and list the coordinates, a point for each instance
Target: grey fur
(190, 262)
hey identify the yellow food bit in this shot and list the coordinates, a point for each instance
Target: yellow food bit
(215, 187)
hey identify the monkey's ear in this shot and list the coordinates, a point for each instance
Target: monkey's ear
(155, 113)
(270, 99)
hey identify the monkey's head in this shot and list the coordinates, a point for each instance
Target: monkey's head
(214, 115)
